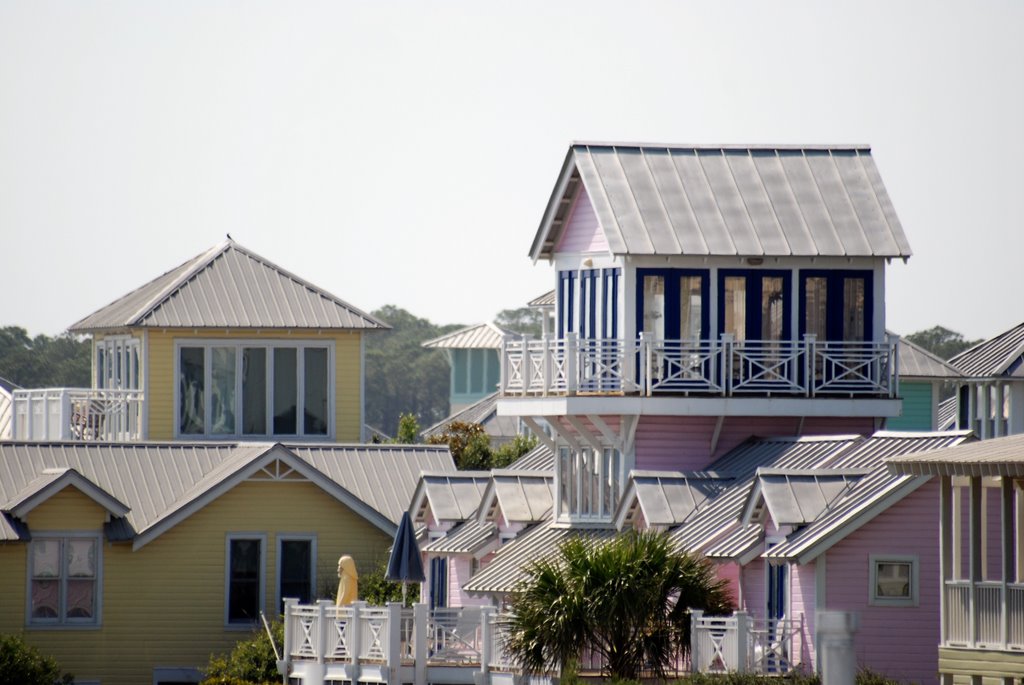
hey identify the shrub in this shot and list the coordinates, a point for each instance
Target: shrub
(23, 664)
(251, 662)
(376, 589)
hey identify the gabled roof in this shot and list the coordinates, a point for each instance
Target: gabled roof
(482, 336)
(52, 481)
(998, 356)
(763, 200)
(795, 497)
(228, 286)
(519, 496)
(666, 498)
(153, 486)
(917, 362)
(450, 496)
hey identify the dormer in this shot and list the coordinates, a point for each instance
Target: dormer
(472, 354)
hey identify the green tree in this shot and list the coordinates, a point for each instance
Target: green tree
(461, 436)
(376, 589)
(408, 430)
(626, 599)
(525, 320)
(23, 664)
(61, 361)
(251, 661)
(941, 342)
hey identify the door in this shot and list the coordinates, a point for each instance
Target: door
(672, 314)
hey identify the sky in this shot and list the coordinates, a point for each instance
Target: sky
(403, 152)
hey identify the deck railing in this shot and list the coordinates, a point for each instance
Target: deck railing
(77, 414)
(724, 367)
(983, 615)
(739, 643)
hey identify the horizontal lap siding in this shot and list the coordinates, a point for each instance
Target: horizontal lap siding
(917, 408)
(899, 642)
(754, 580)
(163, 605)
(458, 575)
(802, 605)
(582, 232)
(68, 510)
(347, 375)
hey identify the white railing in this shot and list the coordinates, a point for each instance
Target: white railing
(77, 414)
(983, 615)
(724, 367)
(738, 643)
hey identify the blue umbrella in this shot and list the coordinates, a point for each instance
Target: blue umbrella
(405, 564)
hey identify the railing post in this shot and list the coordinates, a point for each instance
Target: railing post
(356, 639)
(525, 364)
(486, 636)
(644, 354)
(419, 632)
(727, 364)
(810, 340)
(547, 368)
(65, 415)
(894, 374)
(284, 664)
(321, 633)
(503, 367)
(571, 363)
(695, 618)
(742, 639)
(393, 657)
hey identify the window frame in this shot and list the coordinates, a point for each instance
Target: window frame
(295, 537)
(262, 582)
(913, 600)
(753, 290)
(62, 622)
(239, 344)
(834, 313)
(117, 357)
(673, 299)
(609, 456)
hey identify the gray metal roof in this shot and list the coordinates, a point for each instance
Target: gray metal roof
(162, 483)
(451, 496)
(540, 458)
(666, 498)
(736, 200)
(947, 413)
(466, 538)
(998, 356)
(228, 286)
(508, 567)
(917, 362)
(873, 450)
(485, 412)
(482, 336)
(993, 457)
(741, 543)
(795, 497)
(520, 496)
(545, 300)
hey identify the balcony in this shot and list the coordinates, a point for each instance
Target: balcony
(715, 368)
(984, 615)
(77, 414)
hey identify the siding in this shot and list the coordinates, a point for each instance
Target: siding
(69, 509)
(160, 360)
(898, 642)
(458, 575)
(164, 604)
(754, 583)
(917, 408)
(802, 601)
(582, 232)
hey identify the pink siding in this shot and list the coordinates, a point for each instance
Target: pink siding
(899, 642)
(802, 600)
(458, 575)
(731, 573)
(754, 583)
(683, 443)
(582, 232)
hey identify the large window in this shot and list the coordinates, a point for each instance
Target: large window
(754, 305)
(259, 388)
(672, 304)
(836, 305)
(589, 483)
(64, 580)
(296, 573)
(244, 579)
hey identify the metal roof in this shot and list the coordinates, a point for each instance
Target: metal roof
(795, 497)
(451, 496)
(998, 356)
(162, 483)
(666, 498)
(228, 286)
(519, 496)
(482, 336)
(481, 412)
(742, 543)
(994, 457)
(540, 458)
(872, 451)
(917, 362)
(508, 567)
(466, 538)
(947, 413)
(545, 300)
(737, 200)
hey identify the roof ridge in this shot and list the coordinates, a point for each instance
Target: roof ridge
(722, 146)
(202, 262)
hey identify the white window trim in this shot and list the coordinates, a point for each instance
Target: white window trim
(269, 344)
(60, 623)
(915, 585)
(288, 537)
(262, 537)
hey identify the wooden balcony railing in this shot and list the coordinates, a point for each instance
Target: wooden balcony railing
(983, 615)
(77, 414)
(724, 367)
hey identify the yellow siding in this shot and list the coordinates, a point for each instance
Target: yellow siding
(164, 604)
(988, 663)
(160, 360)
(69, 509)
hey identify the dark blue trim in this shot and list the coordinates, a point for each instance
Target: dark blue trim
(566, 286)
(672, 299)
(834, 300)
(753, 305)
(588, 304)
(610, 303)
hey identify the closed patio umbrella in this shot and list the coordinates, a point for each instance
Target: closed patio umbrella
(405, 564)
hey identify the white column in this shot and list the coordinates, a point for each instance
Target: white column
(946, 549)
(394, 642)
(1009, 556)
(419, 632)
(835, 641)
(742, 638)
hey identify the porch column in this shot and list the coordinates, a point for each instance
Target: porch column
(1016, 409)
(974, 570)
(419, 640)
(984, 410)
(1009, 555)
(838, 658)
(946, 538)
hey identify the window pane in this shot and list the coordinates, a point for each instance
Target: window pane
(476, 370)
(565, 480)
(222, 392)
(45, 598)
(315, 393)
(46, 559)
(81, 558)
(772, 301)
(654, 306)
(892, 579)
(81, 598)
(254, 391)
(101, 367)
(190, 388)
(853, 309)
(296, 570)
(736, 307)
(815, 307)
(286, 391)
(244, 581)
(690, 303)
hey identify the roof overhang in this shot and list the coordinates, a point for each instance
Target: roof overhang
(54, 481)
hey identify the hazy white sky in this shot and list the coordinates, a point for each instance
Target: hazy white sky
(402, 153)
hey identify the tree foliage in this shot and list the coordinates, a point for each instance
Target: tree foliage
(625, 599)
(526, 320)
(23, 664)
(251, 662)
(941, 341)
(42, 361)
(401, 376)
(376, 589)
(471, 449)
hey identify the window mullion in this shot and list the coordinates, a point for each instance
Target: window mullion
(300, 390)
(268, 428)
(239, 418)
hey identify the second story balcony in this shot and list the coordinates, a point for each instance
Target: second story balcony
(77, 414)
(805, 368)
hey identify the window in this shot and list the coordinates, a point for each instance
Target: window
(296, 571)
(64, 581)
(244, 579)
(589, 483)
(671, 304)
(254, 388)
(754, 305)
(836, 305)
(894, 580)
(117, 363)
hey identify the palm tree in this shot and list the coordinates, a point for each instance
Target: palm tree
(625, 599)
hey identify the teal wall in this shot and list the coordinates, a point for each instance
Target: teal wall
(475, 374)
(917, 407)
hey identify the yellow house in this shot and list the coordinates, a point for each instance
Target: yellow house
(227, 345)
(131, 563)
